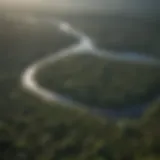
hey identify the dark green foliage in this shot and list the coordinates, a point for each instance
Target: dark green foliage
(36, 130)
(120, 32)
(33, 130)
(102, 82)
(22, 43)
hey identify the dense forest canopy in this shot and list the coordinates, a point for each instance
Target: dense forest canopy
(31, 129)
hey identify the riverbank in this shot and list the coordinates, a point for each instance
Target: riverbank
(30, 81)
(31, 128)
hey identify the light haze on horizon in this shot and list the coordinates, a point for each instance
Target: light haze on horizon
(128, 6)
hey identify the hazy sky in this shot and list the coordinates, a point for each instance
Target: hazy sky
(20, 2)
(110, 5)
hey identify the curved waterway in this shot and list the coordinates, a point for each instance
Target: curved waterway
(84, 46)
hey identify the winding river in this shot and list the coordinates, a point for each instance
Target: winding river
(31, 85)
